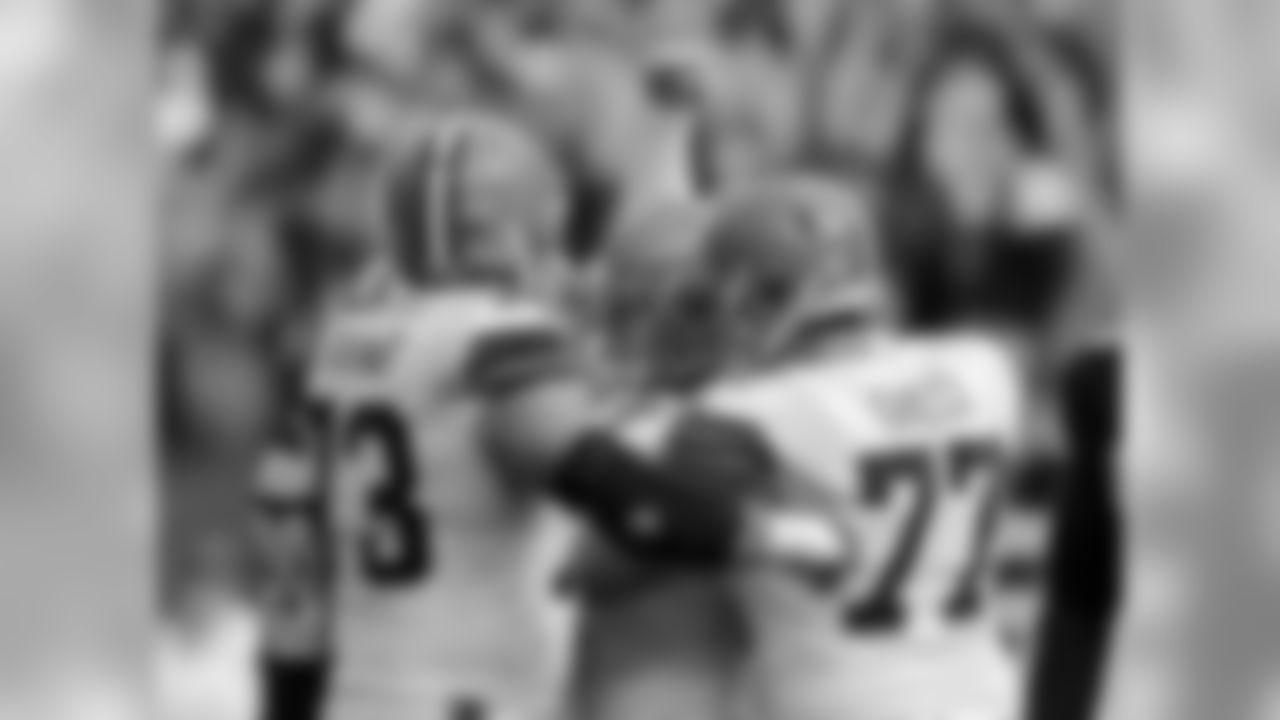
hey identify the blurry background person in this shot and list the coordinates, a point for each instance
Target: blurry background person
(990, 224)
(971, 126)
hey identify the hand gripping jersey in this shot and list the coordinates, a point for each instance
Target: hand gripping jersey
(445, 605)
(906, 442)
(654, 643)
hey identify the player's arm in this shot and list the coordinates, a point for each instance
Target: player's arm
(288, 547)
(547, 423)
(1085, 588)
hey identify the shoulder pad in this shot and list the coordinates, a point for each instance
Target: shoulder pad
(359, 342)
(992, 364)
(985, 374)
(508, 360)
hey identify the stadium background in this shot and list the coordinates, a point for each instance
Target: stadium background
(238, 181)
(271, 111)
(80, 202)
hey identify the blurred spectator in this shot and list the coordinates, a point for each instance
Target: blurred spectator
(973, 129)
(859, 79)
(753, 121)
(1083, 32)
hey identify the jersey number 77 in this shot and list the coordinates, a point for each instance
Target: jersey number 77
(928, 478)
(395, 543)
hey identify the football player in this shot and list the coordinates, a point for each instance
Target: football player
(445, 409)
(288, 543)
(908, 440)
(655, 642)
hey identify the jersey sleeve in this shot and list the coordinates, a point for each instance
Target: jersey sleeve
(724, 456)
(511, 359)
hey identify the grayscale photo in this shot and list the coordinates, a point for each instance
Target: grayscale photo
(638, 359)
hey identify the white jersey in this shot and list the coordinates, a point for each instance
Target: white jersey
(445, 605)
(906, 442)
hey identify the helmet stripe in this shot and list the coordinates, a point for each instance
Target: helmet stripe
(408, 189)
(424, 196)
(447, 197)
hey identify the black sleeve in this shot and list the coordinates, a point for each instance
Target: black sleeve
(1085, 566)
(292, 689)
(1088, 539)
(646, 509)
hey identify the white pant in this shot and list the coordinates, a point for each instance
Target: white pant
(975, 684)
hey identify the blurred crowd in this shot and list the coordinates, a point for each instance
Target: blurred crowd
(980, 124)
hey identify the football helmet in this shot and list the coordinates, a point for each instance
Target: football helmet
(642, 270)
(785, 261)
(478, 197)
